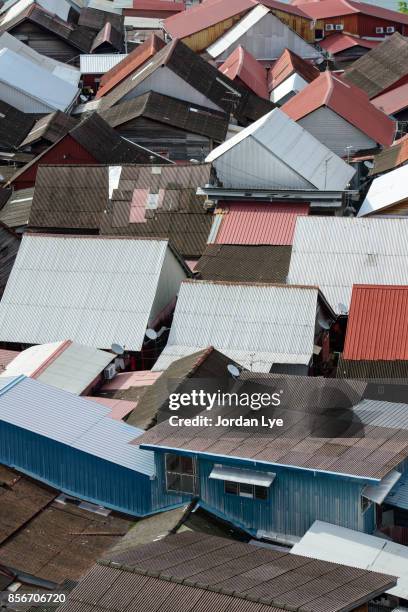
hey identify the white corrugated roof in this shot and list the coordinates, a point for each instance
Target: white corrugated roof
(58, 69)
(66, 365)
(105, 5)
(99, 64)
(340, 545)
(336, 253)
(144, 23)
(13, 8)
(74, 421)
(23, 75)
(255, 325)
(276, 152)
(244, 25)
(95, 291)
(385, 191)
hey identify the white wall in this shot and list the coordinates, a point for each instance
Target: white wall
(171, 276)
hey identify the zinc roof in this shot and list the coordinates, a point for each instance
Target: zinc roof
(16, 211)
(96, 291)
(256, 325)
(337, 253)
(100, 63)
(71, 420)
(385, 191)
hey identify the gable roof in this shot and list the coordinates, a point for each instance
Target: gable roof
(70, 197)
(298, 159)
(51, 128)
(243, 65)
(96, 19)
(110, 36)
(130, 63)
(345, 100)
(170, 111)
(200, 75)
(254, 223)
(14, 126)
(392, 101)
(376, 328)
(324, 9)
(381, 67)
(65, 365)
(286, 65)
(338, 42)
(385, 191)
(391, 157)
(77, 287)
(252, 324)
(371, 251)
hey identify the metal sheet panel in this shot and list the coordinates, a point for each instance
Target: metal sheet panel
(385, 191)
(256, 325)
(99, 63)
(262, 479)
(378, 493)
(337, 253)
(95, 291)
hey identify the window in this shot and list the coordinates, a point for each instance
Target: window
(379, 30)
(243, 489)
(328, 27)
(181, 474)
(365, 504)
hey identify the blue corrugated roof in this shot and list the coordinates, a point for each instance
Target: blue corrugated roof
(72, 420)
(399, 495)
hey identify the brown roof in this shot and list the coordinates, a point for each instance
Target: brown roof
(14, 126)
(96, 19)
(201, 75)
(70, 197)
(391, 157)
(49, 128)
(241, 263)
(368, 369)
(50, 540)
(129, 64)
(170, 111)
(286, 65)
(195, 572)
(381, 67)
(310, 441)
(108, 36)
(16, 210)
(9, 245)
(161, 204)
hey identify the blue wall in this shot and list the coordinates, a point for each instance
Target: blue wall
(296, 499)
(83, 475)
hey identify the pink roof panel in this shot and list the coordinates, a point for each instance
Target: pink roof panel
(243, 65)
(138, 206)
(335, 43)
(259, 224)
(392, 101)
(131, 379)
(119, 408)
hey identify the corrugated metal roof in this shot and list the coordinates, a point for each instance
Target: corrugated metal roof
(398, 497)
(99, 63)
(253, 223)
(39, 85)
(286, 65)
(355, 549)
(275, 152)
(338, 42)
(345, 100)
(393, 101)
(388, 415)
(243, 65)
(337, 253)
(96, 291)
(392, 157)
(255, 325)
(119, 408)
(15, 213)
(65, 365)
(376, 327)
(385, 191)
(337, 8)
(73, 421)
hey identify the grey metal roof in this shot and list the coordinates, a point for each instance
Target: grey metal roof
(71, 420)
(399, 495)
(383, 414)
(254, 324)
(337, 253)
(95, 291)
(16, 211)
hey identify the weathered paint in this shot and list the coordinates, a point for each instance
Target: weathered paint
(203, 39)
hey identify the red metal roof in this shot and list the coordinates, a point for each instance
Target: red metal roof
(132, 62)
(377, 327)
(211, 12)
(392, 101)
(346, 100)
(335, 43)
(243, 65)
(259, 224)
(7, 357)
(286, 65)
(336, 8)
(159, 5)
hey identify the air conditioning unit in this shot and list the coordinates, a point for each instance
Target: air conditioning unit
(328, 27)
(109, 372)
(379, 30)
(390, 29)
(339, 26)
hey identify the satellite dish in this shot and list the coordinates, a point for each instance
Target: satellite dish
(323, 324)
(369, 164)
(83, 98)
(342, 308)
(233, 370)
(152, 334)
(118, 349)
